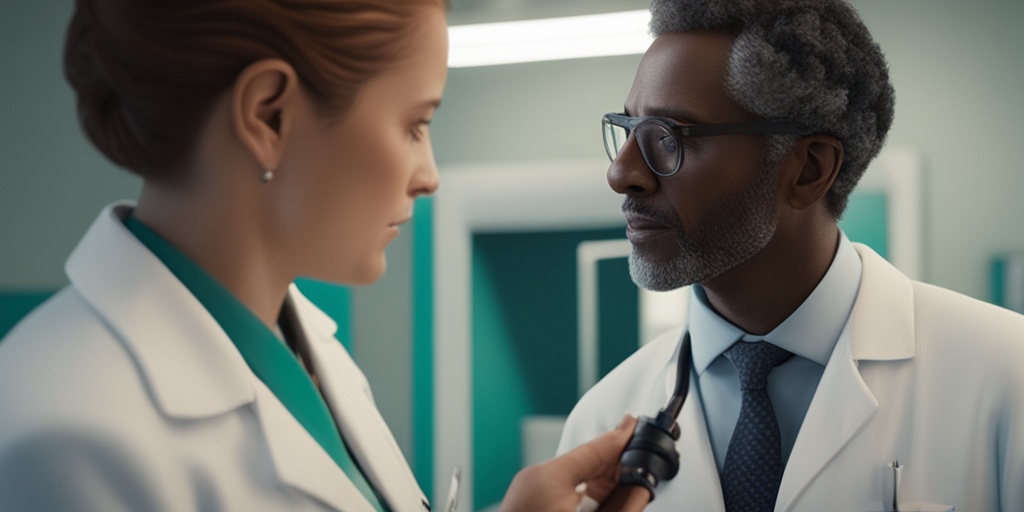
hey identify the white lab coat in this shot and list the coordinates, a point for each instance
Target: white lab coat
(123, 393)
(920, 374)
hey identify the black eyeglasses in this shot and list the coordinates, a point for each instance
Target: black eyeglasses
(661, 138)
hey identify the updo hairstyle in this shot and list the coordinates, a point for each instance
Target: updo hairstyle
(147, 72)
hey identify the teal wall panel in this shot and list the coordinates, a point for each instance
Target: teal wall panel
(997, 276)
(15, 305)
(524, 341)
(423, 345)
(500, 392)
(865, 221)
(334, 300)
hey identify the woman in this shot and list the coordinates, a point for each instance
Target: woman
(181, 369)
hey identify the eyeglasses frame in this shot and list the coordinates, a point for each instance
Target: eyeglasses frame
(680, 130)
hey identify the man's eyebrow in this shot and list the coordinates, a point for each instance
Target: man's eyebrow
(676, 113)
(673, 112)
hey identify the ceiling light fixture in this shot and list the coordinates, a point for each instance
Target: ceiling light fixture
(572, 37)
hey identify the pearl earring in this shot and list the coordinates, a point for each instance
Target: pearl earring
(267, 176)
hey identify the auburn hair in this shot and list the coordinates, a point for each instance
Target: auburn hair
(147, 72)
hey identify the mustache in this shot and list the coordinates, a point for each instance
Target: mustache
(635, 206)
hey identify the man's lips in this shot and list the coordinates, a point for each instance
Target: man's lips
(640, 228)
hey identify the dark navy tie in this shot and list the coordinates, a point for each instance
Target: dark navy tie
(753, 464)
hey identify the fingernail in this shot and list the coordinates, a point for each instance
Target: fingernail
(624, 422)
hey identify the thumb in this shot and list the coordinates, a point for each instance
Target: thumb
(597, 457)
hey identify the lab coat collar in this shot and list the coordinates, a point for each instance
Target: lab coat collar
(882, 321)
(348, 395)
(189, 364)
(187, 361)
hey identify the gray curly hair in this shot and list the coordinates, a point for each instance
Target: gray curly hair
(812, 62)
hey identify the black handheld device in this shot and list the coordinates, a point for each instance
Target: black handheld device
(650, 456)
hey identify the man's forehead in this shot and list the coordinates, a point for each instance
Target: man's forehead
(682, 76)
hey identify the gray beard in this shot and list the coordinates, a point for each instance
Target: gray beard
(730, 234)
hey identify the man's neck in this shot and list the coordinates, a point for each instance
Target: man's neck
(762, 292)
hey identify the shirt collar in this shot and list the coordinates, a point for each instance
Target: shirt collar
(810, 332)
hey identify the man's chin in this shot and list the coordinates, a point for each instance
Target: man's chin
(657, 276)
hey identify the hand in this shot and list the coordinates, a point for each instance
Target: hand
(551, 485)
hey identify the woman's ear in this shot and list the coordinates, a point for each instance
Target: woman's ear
(818, 159)
(262, 104)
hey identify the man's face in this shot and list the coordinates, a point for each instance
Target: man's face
(719, 210)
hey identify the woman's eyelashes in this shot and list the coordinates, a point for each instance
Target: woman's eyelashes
(419, 129)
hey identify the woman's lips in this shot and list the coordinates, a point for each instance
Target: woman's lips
(394, 227)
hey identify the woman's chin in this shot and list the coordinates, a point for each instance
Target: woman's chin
(368, 274)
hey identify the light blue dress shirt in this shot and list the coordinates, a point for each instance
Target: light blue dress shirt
(810, 333)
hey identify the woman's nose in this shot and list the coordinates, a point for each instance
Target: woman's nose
(425, 179)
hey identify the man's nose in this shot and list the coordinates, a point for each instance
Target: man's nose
(629, 173)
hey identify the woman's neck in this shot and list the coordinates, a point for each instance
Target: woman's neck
(216, 232)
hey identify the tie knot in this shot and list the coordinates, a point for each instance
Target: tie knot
(754, 361)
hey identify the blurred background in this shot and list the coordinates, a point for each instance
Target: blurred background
(502, 300)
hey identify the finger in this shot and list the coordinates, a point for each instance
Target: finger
(629, 498)
(597, 457)
(601, 487)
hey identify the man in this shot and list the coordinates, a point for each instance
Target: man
(881, 393)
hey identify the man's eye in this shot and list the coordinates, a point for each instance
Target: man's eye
(667, 143)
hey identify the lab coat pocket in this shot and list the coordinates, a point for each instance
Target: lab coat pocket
(892, 485)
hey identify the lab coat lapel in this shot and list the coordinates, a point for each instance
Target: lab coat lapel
(698, 485)
(880, 328)
(348, 395)
(300, 461)
(841, 405)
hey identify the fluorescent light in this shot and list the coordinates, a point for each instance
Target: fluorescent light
(573, 37)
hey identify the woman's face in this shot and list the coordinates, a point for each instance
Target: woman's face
(348, 184)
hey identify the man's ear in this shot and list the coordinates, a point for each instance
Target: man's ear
(262, 95)
(818, 159)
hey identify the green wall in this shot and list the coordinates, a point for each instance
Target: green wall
(15, 305)
(334, 300)
(865, 221)
(525, 337)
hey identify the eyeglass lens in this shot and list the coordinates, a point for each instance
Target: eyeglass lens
(657, 143)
